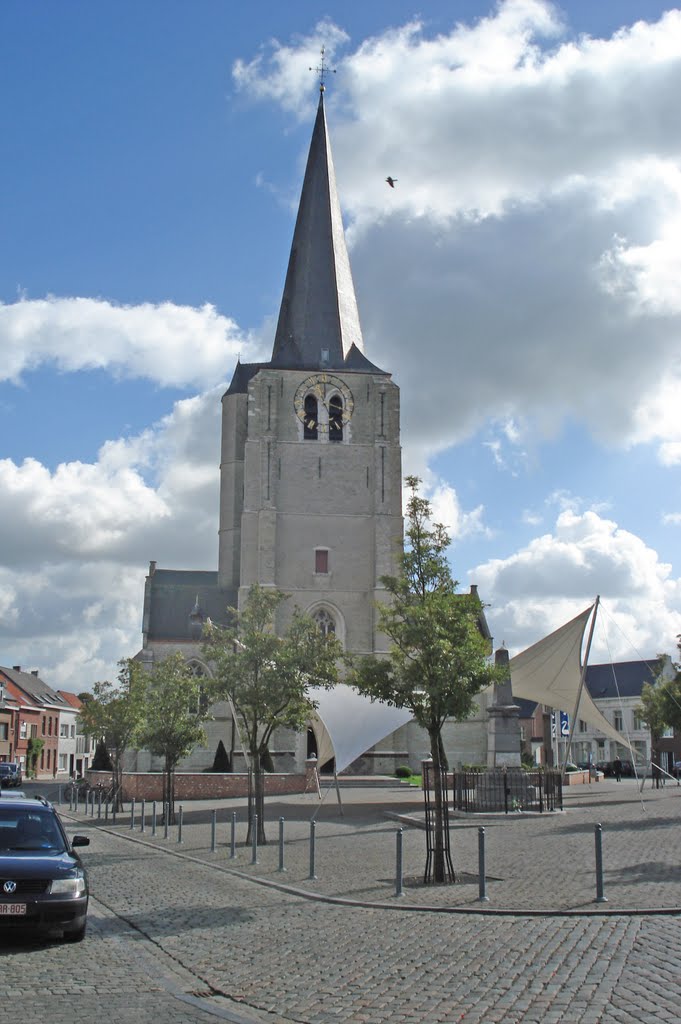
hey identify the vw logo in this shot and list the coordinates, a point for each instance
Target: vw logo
(10, 887)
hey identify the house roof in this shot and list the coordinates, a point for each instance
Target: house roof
(37, 691)
(621, 679)
(71, 698)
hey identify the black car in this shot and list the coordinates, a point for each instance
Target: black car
(43, 884)
(10, 773)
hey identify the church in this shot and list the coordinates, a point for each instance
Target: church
(310, 486)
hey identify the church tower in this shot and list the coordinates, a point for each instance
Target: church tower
(310, 494)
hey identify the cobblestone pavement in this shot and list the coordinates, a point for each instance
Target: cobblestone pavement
(173, 922)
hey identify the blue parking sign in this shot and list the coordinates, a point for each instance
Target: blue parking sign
(564, 723)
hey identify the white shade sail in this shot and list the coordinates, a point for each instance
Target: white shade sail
(549, 672)
(347, 724)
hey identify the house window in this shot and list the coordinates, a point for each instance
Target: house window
(48, 758)
(73, 731)
(42, 759)
(62, 762)
(34, 731)
(49, 728)
(23, 730)
(618, 721)
(3, 730)
(583, 727)
(321, 561)
(43, 725)
(336, 418)
(325, 621)
(311, 420)
(638, 721)
(64, 730)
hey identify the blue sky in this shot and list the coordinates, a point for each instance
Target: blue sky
(520, 283)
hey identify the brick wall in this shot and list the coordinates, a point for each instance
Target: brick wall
(205, 785)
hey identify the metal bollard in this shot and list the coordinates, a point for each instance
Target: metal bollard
(153, 818)
(99, 804)
(59, 796)
(313, 826)
(166, 819)
(132, 814)
(254, 838)
(281, 845)
(114, 801)
(482, 880)
(142, 816)
(399, 835)
(232, 845)
(106, 811)
(179, 824)
(213, 830)
(598, 836)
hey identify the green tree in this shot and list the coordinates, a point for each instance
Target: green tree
(113, 715)
(172, 713)
(34, 748)
(439, 658)
(268, 677)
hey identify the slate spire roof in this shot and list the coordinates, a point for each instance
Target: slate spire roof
(318, 319)
(318, 326)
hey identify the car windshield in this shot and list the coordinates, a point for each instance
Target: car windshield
(30, 829)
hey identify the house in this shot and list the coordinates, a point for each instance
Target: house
(36, 718)
(76, 748)
(616, 690)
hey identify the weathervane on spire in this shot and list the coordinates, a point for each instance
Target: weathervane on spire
(322, 70)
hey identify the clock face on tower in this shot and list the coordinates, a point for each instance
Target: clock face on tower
(332, 394)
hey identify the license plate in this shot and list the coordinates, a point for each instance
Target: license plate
(12, 909)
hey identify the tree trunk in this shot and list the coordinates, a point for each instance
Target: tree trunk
(170, 790)
(439, 872)
(257, 804)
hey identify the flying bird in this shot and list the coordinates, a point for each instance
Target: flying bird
(391, 181)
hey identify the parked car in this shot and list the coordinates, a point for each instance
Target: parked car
(10, 773)
(16, 794)
(43, 884)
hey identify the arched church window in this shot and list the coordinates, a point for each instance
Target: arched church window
(336, 418)
(325, 622)
(311, 418)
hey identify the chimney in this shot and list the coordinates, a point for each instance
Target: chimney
(152, 568)
(17, 668)
(34, 672)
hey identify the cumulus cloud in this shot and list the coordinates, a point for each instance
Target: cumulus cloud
(169, 344)
(550, 580)
(529, 251)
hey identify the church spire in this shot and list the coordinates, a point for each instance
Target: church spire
(318, 320)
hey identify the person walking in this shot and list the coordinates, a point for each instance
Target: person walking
(617, 768)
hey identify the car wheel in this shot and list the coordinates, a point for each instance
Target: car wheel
(76, 936)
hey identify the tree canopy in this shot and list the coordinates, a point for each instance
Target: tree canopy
(267, 675)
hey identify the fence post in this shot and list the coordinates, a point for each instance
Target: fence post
(482, 880)
(540, 776)
(254, 837)
(598, 836)
(179, 823)
(312, 874)
(213, 828)
(281, 845)
(132, 814)
(398, 862)
(232, 843)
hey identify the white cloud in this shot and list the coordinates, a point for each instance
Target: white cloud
(525, 266)
(547, 582)
(172, 345)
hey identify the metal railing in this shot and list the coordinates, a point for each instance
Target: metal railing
(507, 790)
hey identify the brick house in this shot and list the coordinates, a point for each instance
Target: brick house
(37, 717)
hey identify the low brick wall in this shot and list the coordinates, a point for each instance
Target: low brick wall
(580, 778)
(205, 785)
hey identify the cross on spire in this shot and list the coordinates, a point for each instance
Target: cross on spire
(322, 69)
